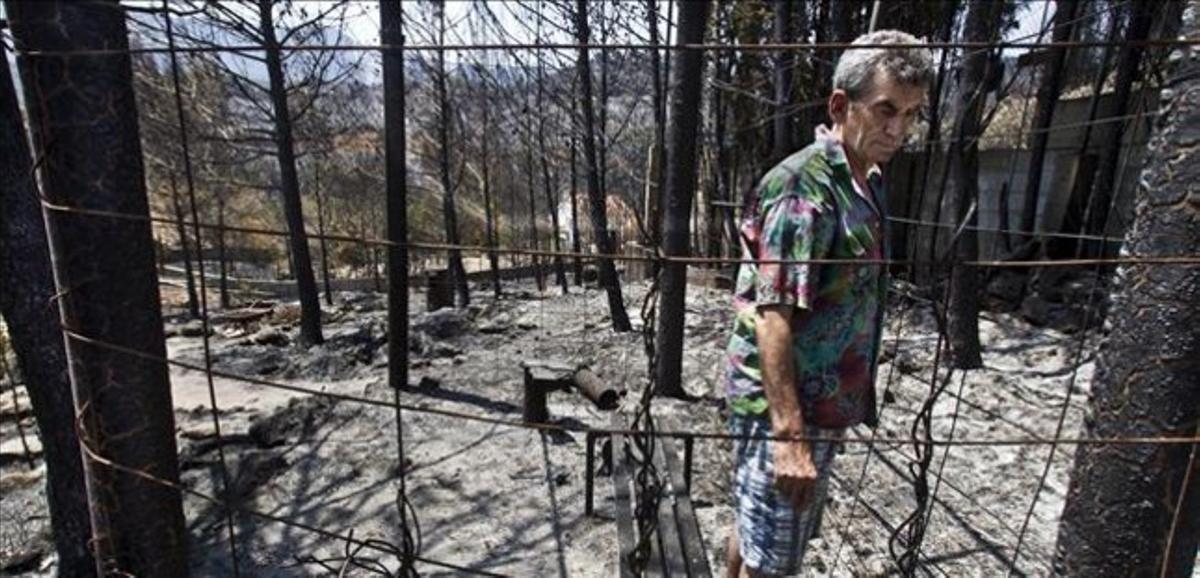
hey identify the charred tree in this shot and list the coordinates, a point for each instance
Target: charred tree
(289, 183)
(681, 184)
(596, 200)
(324, 245)
(531, 188)
(784, 66)
(222, 259)
(1047, 98)
(1128, 70)
(1134, 509)
(85, 131)
(391, 17)
(652, 212)
(982, 23)
(25, 303)
(185, 250)
(576, 263)
(458, 274)
(560, 271)
(489, 215)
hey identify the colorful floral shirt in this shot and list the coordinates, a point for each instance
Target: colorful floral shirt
(809, 207)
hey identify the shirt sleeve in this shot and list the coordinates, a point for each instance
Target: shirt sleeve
(794, 228)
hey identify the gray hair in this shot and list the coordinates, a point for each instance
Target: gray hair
(856, 68)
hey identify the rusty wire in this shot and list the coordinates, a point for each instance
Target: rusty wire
(509, 46)
(483, 249)
(573, 428)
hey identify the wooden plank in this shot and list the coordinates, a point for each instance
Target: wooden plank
(674, 563)
(622, 505)
(689, 528)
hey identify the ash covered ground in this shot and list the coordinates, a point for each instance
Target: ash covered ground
(510, 500)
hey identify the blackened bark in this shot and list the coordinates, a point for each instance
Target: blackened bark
(396, 157)
(596, 200)
(1047, 98)
(918, 242)
(560, 272)
(531, 188)
(1081, 187)
(185, 249)
(489, 217)
(681, 183)
(85, 132)
(1127, 504)
(576, 263)
(25, 302)
(222, 260)
(324, 245)
(458, 275)
(289, 182)
(653, 209)
(784, 62)
(1128, 67)
(983, 20)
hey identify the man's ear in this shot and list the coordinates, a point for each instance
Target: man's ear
(839, 106)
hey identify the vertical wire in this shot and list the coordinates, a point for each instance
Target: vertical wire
(208, 363)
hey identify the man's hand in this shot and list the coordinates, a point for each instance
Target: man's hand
(795, 473)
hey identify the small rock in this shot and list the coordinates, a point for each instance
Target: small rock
(193, 328)
(500, 324)
(443, 349)
(270, 336)
(429, 382)
(443, 323)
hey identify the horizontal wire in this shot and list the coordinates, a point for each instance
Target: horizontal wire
(584, 429)
(480, 249)
(765, 47)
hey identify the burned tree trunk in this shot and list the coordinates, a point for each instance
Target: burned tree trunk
(576, 263)
(85, 131)
(289, 182)
(185, 249)
(652, 212)
(1134, 509)
(222, 259)
(596, 200)
(531, 188)
(782, 125)
(1128, 67)
(25, 299)
(681, 182)
(1047, 97)
(458, 274)
(489, 215)
(391, 17)
(560, 272)
(983, 20)
(324, 244)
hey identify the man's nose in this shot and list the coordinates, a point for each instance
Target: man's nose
(896, 127)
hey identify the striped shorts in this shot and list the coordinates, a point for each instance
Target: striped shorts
(772, 534)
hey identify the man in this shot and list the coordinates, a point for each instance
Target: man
(801, 361)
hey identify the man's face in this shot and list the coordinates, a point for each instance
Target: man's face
(876, 124)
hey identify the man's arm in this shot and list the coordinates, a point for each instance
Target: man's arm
(795, 474)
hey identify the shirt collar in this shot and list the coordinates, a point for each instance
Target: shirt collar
(836, 152)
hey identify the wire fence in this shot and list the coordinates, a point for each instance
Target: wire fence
(906, 536)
